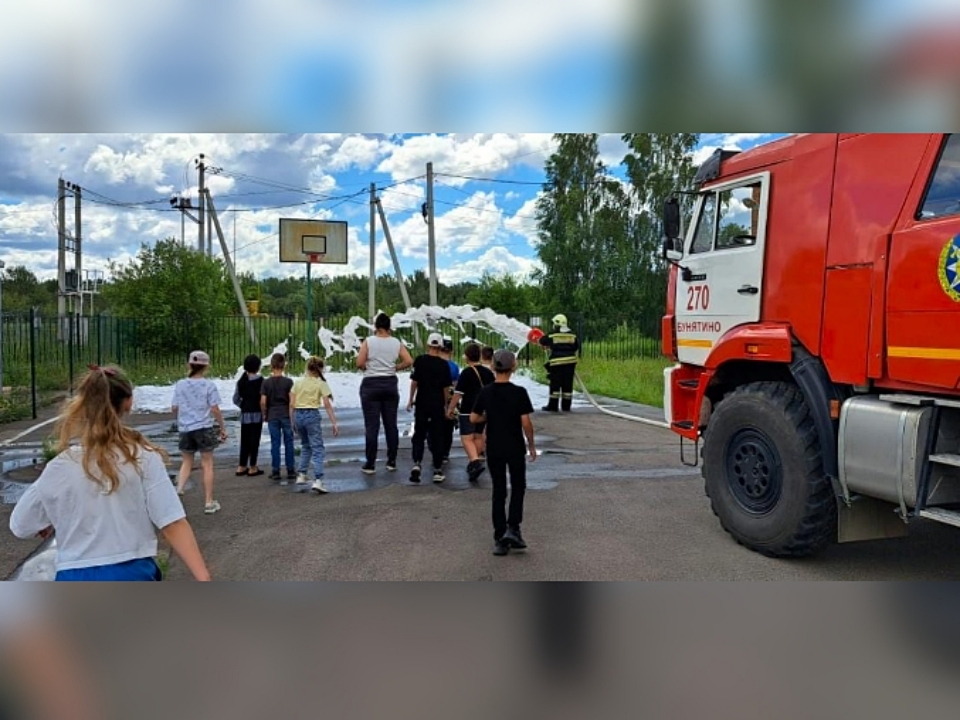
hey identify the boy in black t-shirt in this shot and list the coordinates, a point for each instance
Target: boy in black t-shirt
(429, 386)
(472, 379)
(506, 408)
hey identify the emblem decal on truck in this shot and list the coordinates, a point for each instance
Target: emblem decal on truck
(947, 268)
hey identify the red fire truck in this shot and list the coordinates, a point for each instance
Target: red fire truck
(813, 314)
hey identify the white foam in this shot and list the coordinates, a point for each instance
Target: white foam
(345, 387)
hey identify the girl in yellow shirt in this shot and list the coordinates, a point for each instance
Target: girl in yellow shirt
(308, 393)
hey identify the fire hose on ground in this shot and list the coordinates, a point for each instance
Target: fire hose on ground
(533, 338)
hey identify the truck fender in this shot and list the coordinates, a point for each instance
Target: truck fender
(812, 379)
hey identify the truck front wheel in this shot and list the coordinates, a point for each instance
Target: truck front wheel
(763, 471)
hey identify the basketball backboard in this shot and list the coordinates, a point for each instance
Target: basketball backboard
(301, 239)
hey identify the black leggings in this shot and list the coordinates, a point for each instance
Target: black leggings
(379, 399)
(250, 443)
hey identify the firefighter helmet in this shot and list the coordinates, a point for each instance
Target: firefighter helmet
(560, 320)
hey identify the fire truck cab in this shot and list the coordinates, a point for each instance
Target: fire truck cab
(813, 316)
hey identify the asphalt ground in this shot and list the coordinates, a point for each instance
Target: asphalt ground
(607, 500)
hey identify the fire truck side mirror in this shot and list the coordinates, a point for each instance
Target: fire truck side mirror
(672, 245)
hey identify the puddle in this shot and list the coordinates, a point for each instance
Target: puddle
(11, 492)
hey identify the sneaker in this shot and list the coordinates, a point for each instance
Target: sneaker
(291, 474)
(302, 479)
(438, 476)
(368, 469)
(211, 508)
(318, 487)
(415, 474)
(475, 470)
(514, 539)
(275, 476)
(392, 465)
(501, 547)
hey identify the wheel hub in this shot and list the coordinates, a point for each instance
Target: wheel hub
(753, 471)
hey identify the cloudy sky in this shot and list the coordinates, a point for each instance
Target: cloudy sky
(485, 190)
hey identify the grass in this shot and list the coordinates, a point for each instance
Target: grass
(638, 380)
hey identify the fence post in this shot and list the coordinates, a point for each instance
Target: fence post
(70, 350)
(33, 360)
(99, 340)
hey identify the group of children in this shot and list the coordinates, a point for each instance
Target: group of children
(286, 407)
(106, 497)
(494, 423)
(494, 418)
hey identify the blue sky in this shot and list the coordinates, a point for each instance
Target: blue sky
(485, 190)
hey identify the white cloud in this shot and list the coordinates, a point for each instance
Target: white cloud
(474, 155)
(357, 151)
(496, 261)
(524, 221)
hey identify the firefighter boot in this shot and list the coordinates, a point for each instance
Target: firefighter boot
(551, 406)
(566, 402)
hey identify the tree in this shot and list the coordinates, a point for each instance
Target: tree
(583, 223)
(22, 291)
(178, 292)
(505, 295)
(657, 165)
(599, 238)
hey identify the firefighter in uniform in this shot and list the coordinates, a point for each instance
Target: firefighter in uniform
(562, 363)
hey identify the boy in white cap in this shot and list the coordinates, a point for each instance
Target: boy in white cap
(195, 399)
(506, 408)
(429, 382)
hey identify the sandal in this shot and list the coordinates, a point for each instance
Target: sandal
(238, 473)
(254, 474)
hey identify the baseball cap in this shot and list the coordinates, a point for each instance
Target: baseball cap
(504, 360)
(199, 357)
(447, 343)
(435, 340)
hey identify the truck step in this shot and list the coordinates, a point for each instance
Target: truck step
(946, 459)
(948, 517)
(920, 400)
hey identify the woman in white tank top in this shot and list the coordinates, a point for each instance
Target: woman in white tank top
(381, 356)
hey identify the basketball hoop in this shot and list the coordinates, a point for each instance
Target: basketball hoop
(314, 258)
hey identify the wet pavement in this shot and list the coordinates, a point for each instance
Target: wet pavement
(608, 500)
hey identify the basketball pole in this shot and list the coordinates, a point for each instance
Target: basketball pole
(309, 312)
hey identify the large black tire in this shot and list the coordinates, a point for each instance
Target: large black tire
(763, 472)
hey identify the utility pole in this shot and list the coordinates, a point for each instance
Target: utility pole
(393, 254)
(77, 253)
(201, 167)
(373, 251)
(61, 250)
(431, 238)
(233, 275)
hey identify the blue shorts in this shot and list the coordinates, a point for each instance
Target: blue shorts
(143, 569)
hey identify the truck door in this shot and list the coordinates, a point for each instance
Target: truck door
(923, 281)
(723, 257)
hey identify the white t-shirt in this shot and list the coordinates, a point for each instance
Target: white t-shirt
(193, 398)
(94, 528)
(382, 354)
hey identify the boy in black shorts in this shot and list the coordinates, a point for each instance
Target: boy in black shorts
(506, 408)
(472, 379)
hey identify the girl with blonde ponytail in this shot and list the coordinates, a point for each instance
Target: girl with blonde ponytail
(106, 492)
